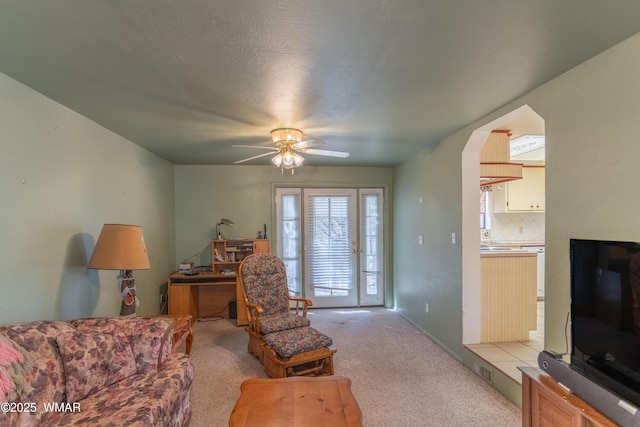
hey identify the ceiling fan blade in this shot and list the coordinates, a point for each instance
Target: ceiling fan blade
(254, 146)
(307, 143)
(255, 157)
(329, 153)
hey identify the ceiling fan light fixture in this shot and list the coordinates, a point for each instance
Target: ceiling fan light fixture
(289, 145)
(297, 160)
(287, 159)
(277, 159)
(286, 135)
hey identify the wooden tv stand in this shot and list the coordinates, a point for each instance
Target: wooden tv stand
(545, 403)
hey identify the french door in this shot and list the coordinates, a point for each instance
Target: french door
(330, 264)
(331, 241)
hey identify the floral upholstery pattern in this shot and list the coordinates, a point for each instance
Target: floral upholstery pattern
(156, 394)
(295, 341)
(93, 360)
(264, 280)
(150, 337)
(282, 322)
(140, 400)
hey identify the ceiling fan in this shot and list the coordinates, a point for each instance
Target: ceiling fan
(288, 146)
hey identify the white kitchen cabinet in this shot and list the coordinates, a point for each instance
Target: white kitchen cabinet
(521, 195)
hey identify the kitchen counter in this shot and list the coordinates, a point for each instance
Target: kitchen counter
(531, 243)
(489, 253)
(508, 306)
(512, 243)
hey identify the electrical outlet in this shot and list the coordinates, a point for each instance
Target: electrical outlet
(163, 299)
(426, 308)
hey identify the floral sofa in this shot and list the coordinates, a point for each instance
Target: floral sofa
(101, 371)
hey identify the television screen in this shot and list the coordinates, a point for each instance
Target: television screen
(605, 314)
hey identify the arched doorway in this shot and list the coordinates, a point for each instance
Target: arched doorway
(523, 120)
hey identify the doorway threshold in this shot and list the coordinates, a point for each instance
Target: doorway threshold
(508, 356)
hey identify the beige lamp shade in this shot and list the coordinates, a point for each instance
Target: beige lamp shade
(120, 247)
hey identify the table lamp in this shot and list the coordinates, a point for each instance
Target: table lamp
(121, 247)
(223, 221)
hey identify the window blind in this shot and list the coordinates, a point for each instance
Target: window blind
(329, 243)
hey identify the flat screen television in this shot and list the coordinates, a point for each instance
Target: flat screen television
(605, 314)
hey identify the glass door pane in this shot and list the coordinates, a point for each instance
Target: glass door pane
(371, 247)
(288, 239)
(330, 247)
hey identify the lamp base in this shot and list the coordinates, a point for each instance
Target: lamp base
(127, 287)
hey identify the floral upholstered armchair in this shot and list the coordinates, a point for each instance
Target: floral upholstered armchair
(263, 279)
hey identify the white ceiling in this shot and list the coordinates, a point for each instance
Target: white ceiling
(382, 79)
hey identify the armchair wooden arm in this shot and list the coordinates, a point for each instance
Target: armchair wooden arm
(255, 311)
(307, 303)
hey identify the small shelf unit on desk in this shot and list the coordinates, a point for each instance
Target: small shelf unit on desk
(226, 255)
(232, 252)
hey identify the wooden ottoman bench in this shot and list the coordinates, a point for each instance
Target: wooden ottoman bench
(299, 351)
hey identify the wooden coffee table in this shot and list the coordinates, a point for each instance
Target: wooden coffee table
(296, 401)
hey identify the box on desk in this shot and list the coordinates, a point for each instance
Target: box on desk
(185, 267)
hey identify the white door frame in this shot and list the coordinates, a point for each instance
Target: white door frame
(344, 291)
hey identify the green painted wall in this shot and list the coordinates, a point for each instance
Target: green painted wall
(593, 135)
(592, 128)
(430, 273)
(245, 195)
(62, 177)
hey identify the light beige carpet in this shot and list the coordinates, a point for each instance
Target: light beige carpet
(400, 377)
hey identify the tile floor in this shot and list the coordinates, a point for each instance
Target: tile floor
(507, 356)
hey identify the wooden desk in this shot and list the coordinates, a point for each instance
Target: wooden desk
(203, 295)
(296, 401)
